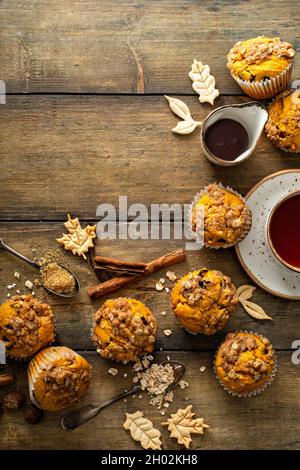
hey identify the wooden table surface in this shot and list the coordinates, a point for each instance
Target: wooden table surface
(85, 122)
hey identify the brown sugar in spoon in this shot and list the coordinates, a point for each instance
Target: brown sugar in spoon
(37, 266)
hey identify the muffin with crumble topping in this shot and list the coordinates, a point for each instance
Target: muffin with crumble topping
(245, 363)
(220, 215)
(283, 125)
(58, 377)
(26, 326)
(261, 66)
(125, 329)
(204, 300)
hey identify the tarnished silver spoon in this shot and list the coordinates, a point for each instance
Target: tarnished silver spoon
(76, 418)
(37, 266)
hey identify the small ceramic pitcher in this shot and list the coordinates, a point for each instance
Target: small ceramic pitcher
(252, 115)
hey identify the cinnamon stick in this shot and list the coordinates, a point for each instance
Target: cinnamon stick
(153, 266)
(100, 260)
(119, 270)
(119, 266)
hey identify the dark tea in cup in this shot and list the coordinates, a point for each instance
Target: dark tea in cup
(284, 231)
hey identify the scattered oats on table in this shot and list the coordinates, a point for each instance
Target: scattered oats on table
(171, 276)
(159, 287)
(155, 380)
(11, 286)
(163, 313)
(202, 368)
(113, 371)
(162, 280)
(167, 332)
(183, 384)
(167, 290)
(29, 284)
(17, 275)
(137, 366)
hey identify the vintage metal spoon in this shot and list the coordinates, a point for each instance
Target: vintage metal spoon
(37, 266)
(76, 418)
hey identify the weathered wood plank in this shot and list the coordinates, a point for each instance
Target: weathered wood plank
(72, 153)
(268, 421)
(99, 46)
(73, 319)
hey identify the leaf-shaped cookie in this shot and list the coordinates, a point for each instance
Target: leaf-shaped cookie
(245, 292)
(203, 82)
(79, 239)
(255, 310)
(182, 424)
(186, 127)
(141, 429)
(178, 107)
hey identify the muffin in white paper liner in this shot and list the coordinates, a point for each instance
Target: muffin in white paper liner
(40, 363)
(247, 223)
(267, 88)
(250, 393)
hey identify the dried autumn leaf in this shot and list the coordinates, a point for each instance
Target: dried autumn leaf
(182, 424)
(245, 292)
(203, 82)
(179, 107)
(142, 430)
(255, 310)
(187, 126)
(79, 239)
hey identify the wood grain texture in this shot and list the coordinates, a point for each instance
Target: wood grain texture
(75, 148)
(72, 153)
(145, 46)
(74, 319)
(269, 421)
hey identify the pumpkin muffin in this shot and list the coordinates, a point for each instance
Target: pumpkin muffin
(224, 216)
(26, 326)
(245, 363)
(261, 66)
(58, 377)
(203, 301)
(125, 330)
(283, 125)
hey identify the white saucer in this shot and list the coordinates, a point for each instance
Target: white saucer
(253, 252)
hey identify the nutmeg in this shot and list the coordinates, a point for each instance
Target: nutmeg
(6, 379)
(32, 414)
(13, 400)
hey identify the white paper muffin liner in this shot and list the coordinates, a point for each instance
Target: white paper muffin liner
(252, 392)
(266, 88)
(40, 362)
(193, 204)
